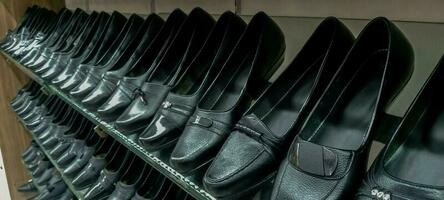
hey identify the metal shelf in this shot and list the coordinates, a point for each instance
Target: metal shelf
(191, 185)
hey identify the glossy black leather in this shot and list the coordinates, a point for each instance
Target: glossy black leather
(127, 45)
(338, 132)
(179, 104)
(113, 39)
(178, 56)
(251, 154)
(104, 186)
(61, 59)
(125, 89)
(390, 176)
(230, 94)
(85, 51)
(147, 31)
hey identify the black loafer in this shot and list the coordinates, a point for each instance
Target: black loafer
(252, 152)
(179, 104)
(138, 65)
(407, 168)
(328, 158)
(27, 187)
(230, 94)
(176, 59)
(124, 43)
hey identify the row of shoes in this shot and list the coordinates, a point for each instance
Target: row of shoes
(44, 177)
(98, 168)
(198, 89)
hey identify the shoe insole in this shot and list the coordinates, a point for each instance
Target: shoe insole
(226, 93)
(350, 118)
(420, 157)
(284, 113)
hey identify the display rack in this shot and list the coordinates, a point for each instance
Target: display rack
(189, 184)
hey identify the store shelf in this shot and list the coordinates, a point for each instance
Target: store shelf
(79, 194)
(189, 184)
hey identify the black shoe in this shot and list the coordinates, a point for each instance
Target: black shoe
(409, 167)
(229, 96)
(27, 187)
(84, 53)
(170, 119)
(117, 99)
(328, 158)
(174, 62)
(112, 39)
(145, 34)
(251, 154)
(105, 184)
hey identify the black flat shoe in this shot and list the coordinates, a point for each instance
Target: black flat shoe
(108, 82)
(84, 53)
(59, 59)
(243, 78)
(179, 104)
(407, 168)
(115, 37)
(27, 187)
(123, 93)
(251, 154)
(328, 158)
(145, 33)
(130, 182)
(105, 184)
(170, 67)
(115, 52)
(114, 26)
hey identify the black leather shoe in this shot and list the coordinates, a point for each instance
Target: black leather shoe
(105, 184)
(59, 59)
(27, 187)
(101, 49)
(145, 33)
(53, 191)
(328, 158)
(85, 52)
(42, 167)
(113, 39)
(92, 27)
(418, 140)
(45, 176)
(91, 172)
(179, 104)
(130, 182)
(110, 58)
(108, 82)
(252, 152)
(174, 62)
(123, 93)
(229, 96)
(69, 35)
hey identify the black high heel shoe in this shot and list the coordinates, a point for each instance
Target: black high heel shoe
(255, 58)
(407, 168)
(328, 158)
(251, 154)
(179, 104)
